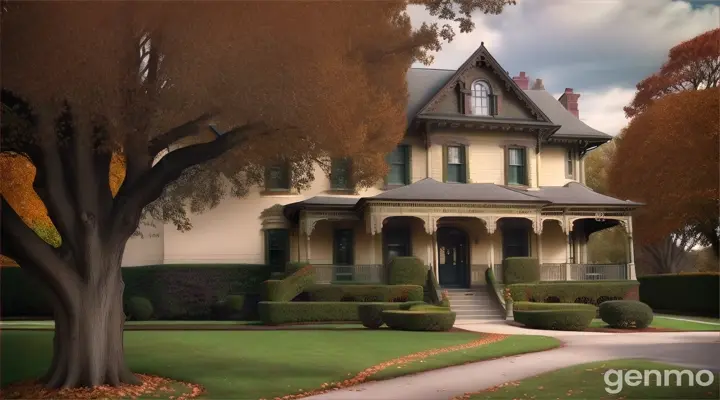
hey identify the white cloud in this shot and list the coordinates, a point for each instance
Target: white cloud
(600, 48)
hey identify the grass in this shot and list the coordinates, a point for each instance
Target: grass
(667, 323)
(691, 317)
(512, 345)
(587, 382)
(248, 364)
(50, 325)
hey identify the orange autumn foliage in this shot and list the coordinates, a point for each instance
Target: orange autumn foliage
(668, 158)
(16, 186)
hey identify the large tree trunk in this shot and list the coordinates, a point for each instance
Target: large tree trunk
(88, 343)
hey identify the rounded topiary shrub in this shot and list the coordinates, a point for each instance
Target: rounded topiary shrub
(626, 314)
(139, 308)
(427, 320)
(521, 270)
(568, 319)
(407, 271)
(371, 313)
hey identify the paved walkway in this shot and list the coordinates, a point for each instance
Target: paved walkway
(689, 349)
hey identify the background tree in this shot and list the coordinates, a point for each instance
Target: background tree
(691, 65)
(290, 81)
(668, 158)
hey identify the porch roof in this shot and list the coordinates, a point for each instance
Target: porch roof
(428, 189)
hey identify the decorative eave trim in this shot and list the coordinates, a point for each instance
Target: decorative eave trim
(543, 131)
(480, 58)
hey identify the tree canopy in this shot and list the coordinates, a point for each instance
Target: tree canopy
(691, 65)
(192, 100)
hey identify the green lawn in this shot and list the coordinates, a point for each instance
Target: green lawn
(51, 324)
(587, 382)
(692, 317)
(253, 364)
(667, 323)
(512, 345)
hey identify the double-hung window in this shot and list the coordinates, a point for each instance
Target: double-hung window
(277, 177)
(456, 169)
(399, 163)
(517, 166)
(340, 174)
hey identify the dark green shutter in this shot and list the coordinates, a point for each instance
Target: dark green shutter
(506, 163)
(408, 164)
(493, 98)
(527, 166)
(444, 163)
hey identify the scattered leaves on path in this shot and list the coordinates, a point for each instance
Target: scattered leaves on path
(150, 385)
(399, 362)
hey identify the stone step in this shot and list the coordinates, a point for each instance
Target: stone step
(466, 318)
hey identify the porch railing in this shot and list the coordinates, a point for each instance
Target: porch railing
(366, 273)
(577, 272)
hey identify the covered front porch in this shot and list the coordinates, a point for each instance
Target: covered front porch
(353, 241)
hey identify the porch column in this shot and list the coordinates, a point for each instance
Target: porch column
(631, 251)
(372, 248)
(307, 247)
(568, 243)
(435, 256)
(492, 250)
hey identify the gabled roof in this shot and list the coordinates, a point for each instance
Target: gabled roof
(482, 53)
(423, 83)
(570, 125)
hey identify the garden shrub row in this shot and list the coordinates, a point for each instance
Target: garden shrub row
(435, 319)
(588, 292)
(288, 288)
(176, 292)
(564, 320)
(529, 306)
(521, 270)
(626, 314)
(691, 293)
(365, 293)
(284, 312)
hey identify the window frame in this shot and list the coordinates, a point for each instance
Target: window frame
(406, 165)
(283, 166)
(487, 97)
(348, 174)
(268, 234)
(462, 165)
(343, 272)
(525, 167)
(570, 163)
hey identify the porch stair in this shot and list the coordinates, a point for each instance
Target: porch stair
(474, 305)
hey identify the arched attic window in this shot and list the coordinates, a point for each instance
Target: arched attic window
(482, 99)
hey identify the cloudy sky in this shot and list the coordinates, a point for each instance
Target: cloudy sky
(600, 48)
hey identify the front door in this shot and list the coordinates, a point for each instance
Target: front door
(452, 257)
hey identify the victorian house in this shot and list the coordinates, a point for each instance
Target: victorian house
(490, 167)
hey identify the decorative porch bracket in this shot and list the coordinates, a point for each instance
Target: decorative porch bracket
(308, 220)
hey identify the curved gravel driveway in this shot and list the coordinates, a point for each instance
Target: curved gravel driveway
(690, 349)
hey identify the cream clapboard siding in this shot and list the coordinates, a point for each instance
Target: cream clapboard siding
(232, 232)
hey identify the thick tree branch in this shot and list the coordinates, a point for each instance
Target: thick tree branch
(159, 143)
(132, 199)
(21, 244)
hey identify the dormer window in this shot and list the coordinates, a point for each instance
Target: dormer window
(480, 98)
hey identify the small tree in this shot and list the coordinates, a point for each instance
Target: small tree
(85, 82)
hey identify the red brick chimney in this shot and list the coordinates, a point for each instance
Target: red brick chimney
(522, 81)
(569, 100)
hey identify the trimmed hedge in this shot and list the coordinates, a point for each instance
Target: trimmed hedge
(693, 293)
(407, 271)
(286, 289)
(431, 288)
(570, 319)
(588, 292)
(365, 293)
(435, 320)
(371, 313)
(521, 270)
(283, 312)
(626, 314)
(177, 292)
(139, 309)
(529, 306)
(232, 307)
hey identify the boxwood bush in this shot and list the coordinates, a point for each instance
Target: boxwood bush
(588, 292)
(371, 313)
(570, 319)
(521, 270)
(526, 305)
(365, 293)
(283, 312)
(626, 314)
(407, 271)
(691, 293)
(232, 307)
(286, 289)
(427, 320)
(139, 309)
(431, 289)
